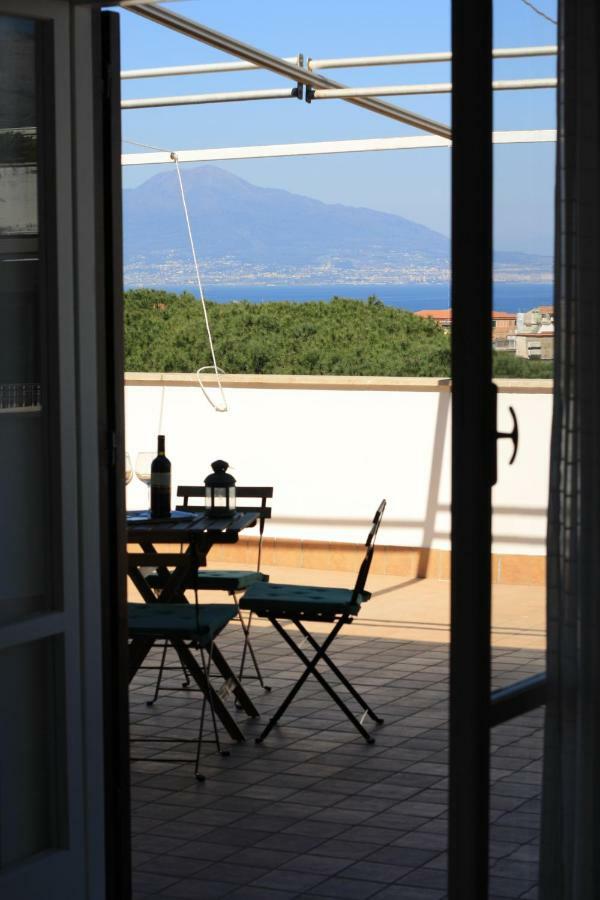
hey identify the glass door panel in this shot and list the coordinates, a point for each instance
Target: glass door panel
(523, 342)
(28, 477)
(33, 805)
(38, 845)
(59, 747)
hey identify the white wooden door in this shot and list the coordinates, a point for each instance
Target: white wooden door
(51, 730)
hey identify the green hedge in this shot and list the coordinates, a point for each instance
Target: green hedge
(165, 332)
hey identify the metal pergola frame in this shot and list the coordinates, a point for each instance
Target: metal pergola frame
(313, 86)
(279, 66)
(399, 59)
(346, 62)
(325, 148)
(344, 93)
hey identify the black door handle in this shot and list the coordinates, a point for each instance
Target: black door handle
(496, 435)
(511, 435)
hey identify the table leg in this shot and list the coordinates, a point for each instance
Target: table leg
(237, 690)
(187, 658)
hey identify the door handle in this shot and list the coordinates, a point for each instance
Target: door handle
(511, 435)
(496, 435)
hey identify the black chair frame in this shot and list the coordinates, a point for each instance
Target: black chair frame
(321, 654)
(245, 493)
(198, 492)
(202, 675)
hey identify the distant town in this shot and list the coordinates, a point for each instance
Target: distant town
(172, 271)
(529, 335)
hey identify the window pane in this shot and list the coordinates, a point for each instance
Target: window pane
(32, 791)
(18, 133)
(27, 476)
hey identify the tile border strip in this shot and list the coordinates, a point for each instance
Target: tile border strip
(329, 382)
(406, 562)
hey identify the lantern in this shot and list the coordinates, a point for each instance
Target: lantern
(220, 490)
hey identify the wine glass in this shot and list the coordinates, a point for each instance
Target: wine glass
(143, 467)
(128, 469)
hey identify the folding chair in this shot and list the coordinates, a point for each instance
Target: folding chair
(178, 623)
(300, 604)
(231, 581)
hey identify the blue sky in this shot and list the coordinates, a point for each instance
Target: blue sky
(415, 183)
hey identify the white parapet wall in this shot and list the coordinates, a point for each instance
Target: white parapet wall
(333, 447)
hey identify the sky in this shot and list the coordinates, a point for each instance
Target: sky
(411, 183)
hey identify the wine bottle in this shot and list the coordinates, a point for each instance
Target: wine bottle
(160, 483)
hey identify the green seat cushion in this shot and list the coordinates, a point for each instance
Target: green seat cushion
(225, 580)
(288, 601)
(182, 620)
(214, 580)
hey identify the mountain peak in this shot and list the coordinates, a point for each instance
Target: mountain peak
(251, 234)
(203, 175)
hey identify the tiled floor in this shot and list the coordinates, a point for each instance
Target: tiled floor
(419, 608)
(315, 811)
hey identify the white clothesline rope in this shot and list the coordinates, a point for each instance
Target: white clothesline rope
(223, 406)
(218, 371)
(147, 146)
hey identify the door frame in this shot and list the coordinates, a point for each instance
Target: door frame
(474, 709)
(473, 449)
(60, 870)
(111, 422)
(87, 292)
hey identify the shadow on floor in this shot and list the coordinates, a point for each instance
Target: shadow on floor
(315, 811)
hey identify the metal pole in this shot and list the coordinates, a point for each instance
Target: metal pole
(473, 449)
(200, 69)
(192, 99)
(313, 148)
(349, 62)
(230, 45)
(398, 90)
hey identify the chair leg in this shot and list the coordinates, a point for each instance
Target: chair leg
(340, 675)
(208, 697)
(160, 674)
(161, 670)
(248, 646)
(311, 669)
(199, 677)
(186, 674)
(310, 666)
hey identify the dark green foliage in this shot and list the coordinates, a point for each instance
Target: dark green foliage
(165, 332)
(507, 365)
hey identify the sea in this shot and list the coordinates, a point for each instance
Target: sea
(508, 297)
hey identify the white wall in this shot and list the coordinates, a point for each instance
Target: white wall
(332, 454)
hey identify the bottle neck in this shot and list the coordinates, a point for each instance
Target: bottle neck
(161, 445)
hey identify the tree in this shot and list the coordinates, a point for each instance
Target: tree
(165, 332)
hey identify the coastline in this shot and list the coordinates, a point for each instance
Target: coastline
(508, 296)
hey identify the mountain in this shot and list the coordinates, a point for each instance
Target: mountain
(249, 234)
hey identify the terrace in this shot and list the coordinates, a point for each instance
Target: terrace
(314, 811)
